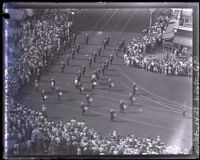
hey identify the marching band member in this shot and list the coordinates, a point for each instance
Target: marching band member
(69, 41)
(45, 65)
(79, 84)
(103, 68)
(134, 88)
(83, 108)
(36, 85)
(110, 83)
(99, 50)
(111, 58)
(124, 49)
(52, 83)
(78, 77)
(59, 94)
(112, 115)
(122, 106)
(98, 70)
(123, 43)
(94, 83)
(74, 38)
(97, 74)
(90, 61)
(44, 112)
(117, 49)
(94, 56)
(57, 89)
(120, 45)
(184, 109)
(38, 74)
(77, 48)
(83, 69)
(93, 78)
(73, 53)
(52, 58)
(67, 59)
(80, 88)
(104, 44)
(44, 98)
(76, 82)
(107, 40)
(126, 59)
(107, 63)
(79, 74)
(43, 92)
(86, 38)
(131, 98)
(62, 66)
(88, 99)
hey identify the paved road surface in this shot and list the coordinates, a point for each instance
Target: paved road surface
(157, 110)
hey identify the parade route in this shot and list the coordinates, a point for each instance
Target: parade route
(157, 110)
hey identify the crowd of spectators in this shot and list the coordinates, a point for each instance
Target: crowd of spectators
(29, 132)
(139, 47)
(39, 39)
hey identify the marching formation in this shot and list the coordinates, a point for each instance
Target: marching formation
(95, 76)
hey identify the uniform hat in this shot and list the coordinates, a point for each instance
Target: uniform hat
(111, 110)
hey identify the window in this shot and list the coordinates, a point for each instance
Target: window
(186, 20)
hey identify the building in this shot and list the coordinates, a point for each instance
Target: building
(182, 41)
(186, 18)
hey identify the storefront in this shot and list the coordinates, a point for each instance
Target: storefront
(183, 42)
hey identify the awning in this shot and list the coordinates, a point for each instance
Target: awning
(187, 42)
(167, 36)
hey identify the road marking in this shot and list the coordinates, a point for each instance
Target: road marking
(147, 90)
(144, 123)
(157, 102)
(116, 99)
(171, 109)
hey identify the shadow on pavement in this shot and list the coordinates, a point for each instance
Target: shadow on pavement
(92, 115)
(121, 121)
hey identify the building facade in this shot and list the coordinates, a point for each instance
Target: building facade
(182, 41)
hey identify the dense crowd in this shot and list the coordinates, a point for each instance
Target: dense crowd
(29, 132)
(39, 40)
(169, 65)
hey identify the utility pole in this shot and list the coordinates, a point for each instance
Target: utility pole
(150, 24)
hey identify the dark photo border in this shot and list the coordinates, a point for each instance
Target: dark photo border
(195, 6)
